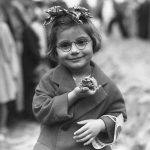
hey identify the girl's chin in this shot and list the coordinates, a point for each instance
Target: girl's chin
(77, 66)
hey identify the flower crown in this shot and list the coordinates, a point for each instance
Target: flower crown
(76, 13)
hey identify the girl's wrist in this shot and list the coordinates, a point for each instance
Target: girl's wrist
(102, 124)
(72, 97)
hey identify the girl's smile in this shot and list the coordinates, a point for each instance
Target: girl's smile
(75, 58)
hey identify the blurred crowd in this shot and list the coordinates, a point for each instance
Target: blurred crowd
(24, 45)
(131, 16)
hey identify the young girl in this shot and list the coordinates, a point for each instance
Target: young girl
(73, 115)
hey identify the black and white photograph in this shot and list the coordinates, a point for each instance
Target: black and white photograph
(74, 74)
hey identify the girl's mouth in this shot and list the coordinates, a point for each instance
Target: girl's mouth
(76, 58)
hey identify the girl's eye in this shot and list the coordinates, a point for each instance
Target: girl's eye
(81, 41)
(64, 45)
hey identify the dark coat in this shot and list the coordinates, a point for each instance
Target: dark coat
(31, 55)
(50, 106)
(30, 61)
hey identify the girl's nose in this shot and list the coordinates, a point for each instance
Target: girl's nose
(74, 49)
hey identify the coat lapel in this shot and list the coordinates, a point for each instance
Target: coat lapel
(84, 105)
(63, 78)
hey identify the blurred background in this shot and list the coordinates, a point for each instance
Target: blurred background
(124, 26)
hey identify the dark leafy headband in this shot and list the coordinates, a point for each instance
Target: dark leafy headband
(76, 13)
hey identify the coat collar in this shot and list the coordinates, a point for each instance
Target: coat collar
(62, 75)
(64, 79)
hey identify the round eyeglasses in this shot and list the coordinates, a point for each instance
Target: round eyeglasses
(80, 43)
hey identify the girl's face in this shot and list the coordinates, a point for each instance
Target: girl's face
(80, 45)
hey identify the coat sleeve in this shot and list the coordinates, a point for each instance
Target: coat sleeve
(49, 108)
(113, 118)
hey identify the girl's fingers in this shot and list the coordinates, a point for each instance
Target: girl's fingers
(89, 141)
(85, 138)
(82, 122)
(84, 89)
(80, 131)
(81, 135)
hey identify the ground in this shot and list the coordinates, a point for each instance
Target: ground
(127, 62)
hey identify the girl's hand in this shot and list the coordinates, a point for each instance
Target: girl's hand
(90, 129)
(79, 92)
(84, 91)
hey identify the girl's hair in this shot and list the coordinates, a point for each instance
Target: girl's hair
(65, 22)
